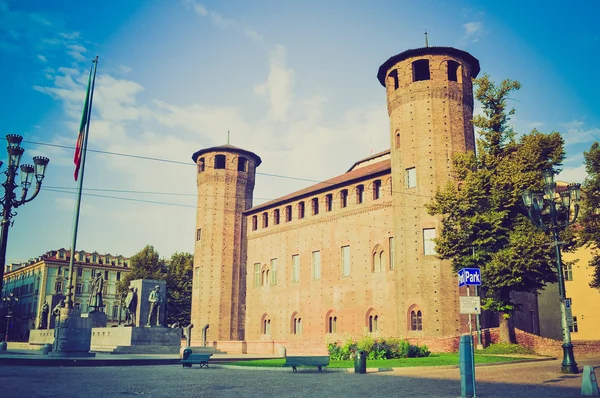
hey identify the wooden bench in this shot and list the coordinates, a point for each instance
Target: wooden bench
(201, 359)
(307, 361)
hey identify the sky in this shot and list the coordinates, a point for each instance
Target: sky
(293, 81)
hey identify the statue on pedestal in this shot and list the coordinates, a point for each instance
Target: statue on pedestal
(95, 301)
(131, 307)
(56, 312)
(155, 301)
(44, 318)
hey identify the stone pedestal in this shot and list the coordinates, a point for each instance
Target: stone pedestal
(72, 335)
(144, 287)
(140, 340)
(97, 319)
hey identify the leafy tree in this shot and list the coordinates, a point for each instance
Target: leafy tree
(179, 288)
(484, 222)
(146, 264)
(589, 221)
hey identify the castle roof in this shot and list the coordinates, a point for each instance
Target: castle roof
(471, 60)
(227, 148)
(354, 174)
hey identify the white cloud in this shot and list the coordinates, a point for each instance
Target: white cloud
(279, 84)
(572, 174)
(42, 58)
(473, 31)
(577, 133)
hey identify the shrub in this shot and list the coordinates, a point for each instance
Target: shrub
(506, 348)
(376, 349)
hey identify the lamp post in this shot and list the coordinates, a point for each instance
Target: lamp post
(9, 201)
(554, 211)
(9, 300)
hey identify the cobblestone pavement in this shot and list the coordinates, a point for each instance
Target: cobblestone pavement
(539, 379)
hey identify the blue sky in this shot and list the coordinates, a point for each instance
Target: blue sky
(293, 81)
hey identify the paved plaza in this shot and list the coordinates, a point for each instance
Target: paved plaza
(536, 379)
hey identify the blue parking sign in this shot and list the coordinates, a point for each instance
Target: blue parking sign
(469, 277)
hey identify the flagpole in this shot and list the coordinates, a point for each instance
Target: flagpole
(69, 303)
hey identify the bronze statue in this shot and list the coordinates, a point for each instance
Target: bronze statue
(131, 307)
(95, 301)
(155, 301)
(44, 318)
(56, 312)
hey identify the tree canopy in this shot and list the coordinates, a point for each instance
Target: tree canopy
(484, 222)
(589, 220)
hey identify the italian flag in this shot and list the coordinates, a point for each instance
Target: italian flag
(82, 126)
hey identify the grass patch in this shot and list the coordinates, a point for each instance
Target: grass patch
(505, 348)
(432, 360)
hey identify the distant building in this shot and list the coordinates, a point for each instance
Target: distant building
(584, 300)
(45, 279)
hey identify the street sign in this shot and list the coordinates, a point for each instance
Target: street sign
(569, 312)
(469, 276)
(470, 305)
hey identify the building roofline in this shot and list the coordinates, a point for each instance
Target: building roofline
(229, 149)
(382, 153)
(471, 60)
(359, 174)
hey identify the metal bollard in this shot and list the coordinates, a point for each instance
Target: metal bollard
(46, 348)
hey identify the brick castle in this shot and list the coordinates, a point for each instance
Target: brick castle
(349, 256)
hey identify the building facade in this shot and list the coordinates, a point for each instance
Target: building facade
(45, 279)
(349, 256)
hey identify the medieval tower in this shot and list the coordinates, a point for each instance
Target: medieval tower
(225, 180)
(430, 105)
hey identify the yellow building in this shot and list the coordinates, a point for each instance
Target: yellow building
(44, 279)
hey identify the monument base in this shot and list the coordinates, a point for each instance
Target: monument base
(98, 319)
(72, 335)
(139, 340)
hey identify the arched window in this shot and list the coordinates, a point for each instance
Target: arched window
(266, 325)
(265, 219)
(254, 223)
(416, 320)
(373, 323)
(201, 165)
(297, 329)
(453, 68)
(265, 277)
(242, 162)
(220, 161)
(420, 69)
(332, 324)
(393, 79)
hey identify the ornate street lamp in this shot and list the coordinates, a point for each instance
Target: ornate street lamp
(554, 211)
(8, 299)
(9, 201)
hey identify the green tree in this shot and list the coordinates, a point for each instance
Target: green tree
(179, 288)
(589, 220)
(484, 222)
(146, 264)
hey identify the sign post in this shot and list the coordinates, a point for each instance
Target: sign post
(470, 305)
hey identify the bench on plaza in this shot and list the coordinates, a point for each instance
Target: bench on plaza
(201, 359)
(318, 361)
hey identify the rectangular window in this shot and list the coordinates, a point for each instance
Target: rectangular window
(80, 255)
(105, 275)
(428, 243)
(288, 213)
(345, 260)
(568, 271)
(78, 288)
(316, 265)
(115, 312)
(343, 198)
(79, 271)
(265, 219)
(256, 274)
(391, 240)
(315, 206)
(300, 210)
(411, 177)
(295, 268)
(118, 276)
(575, 327)
(273, 271)
(376, 189)
(198, 234)
(276, 216)
(58, 287)
(105, 289)
(328, 202)
(359, 193)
